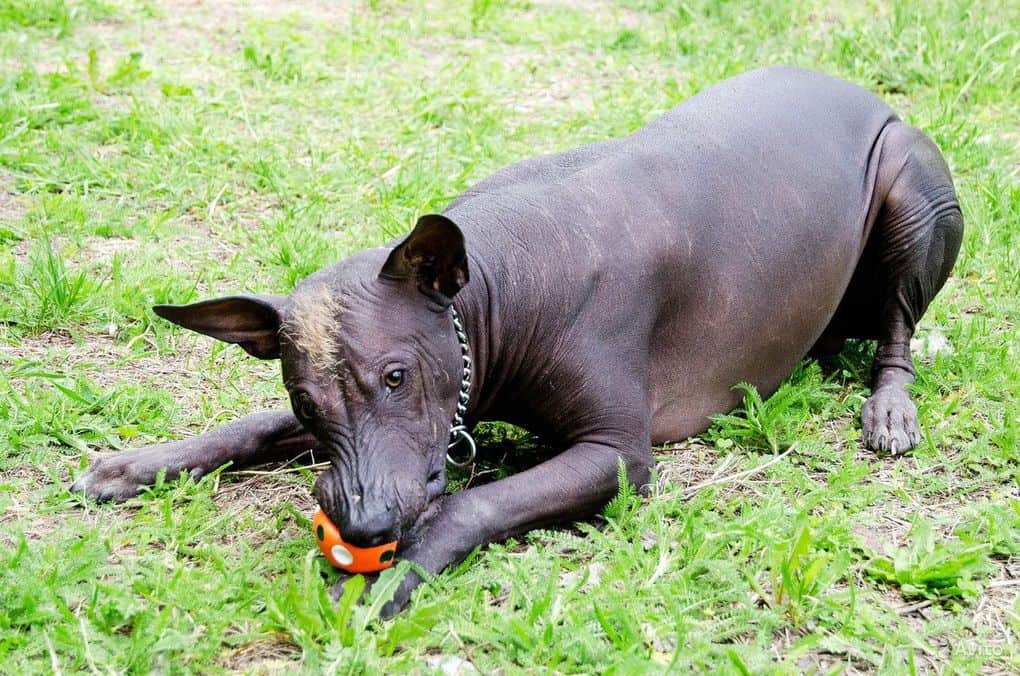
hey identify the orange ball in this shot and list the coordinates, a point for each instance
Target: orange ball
(346, 556)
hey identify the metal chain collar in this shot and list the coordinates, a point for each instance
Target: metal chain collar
(458, 431)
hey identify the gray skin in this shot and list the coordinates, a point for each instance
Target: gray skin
(612, 295)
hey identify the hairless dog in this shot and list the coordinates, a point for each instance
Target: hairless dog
(610, 298)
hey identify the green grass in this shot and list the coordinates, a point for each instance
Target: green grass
(162, 152)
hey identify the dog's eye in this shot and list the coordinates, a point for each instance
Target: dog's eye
(394, 378)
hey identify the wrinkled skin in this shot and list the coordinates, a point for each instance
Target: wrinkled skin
(387, 443)
(612, 295)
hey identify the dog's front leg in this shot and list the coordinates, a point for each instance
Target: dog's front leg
(259, 437)
(572, 485)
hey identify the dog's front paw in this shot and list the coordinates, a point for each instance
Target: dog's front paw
(889, 421)
(115, 477)
(401, 597)
(336, 591)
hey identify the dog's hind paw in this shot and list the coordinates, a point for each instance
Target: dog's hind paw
(889, 421)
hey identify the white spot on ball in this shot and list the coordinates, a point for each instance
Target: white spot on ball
(342, 555)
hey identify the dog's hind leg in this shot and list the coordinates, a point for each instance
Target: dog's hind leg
(912, 250)
(256, 438)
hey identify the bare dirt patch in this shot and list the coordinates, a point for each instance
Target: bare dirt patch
(37, 347)
(188, 28)
(92, 250)
(250, 209)
(260, 487)
(13, 206)
(602, 12)
(995, 612)
(196, 243)
(272, 655)
(685, 464)
(261, 494)
(226, 11)
(693, 465)
(183, 39)
(103, 249)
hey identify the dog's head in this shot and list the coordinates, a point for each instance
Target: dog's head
(373, 367)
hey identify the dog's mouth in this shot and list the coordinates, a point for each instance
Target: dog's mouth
(435, 489)
(417, 510)
(411, 534)
(435, 485)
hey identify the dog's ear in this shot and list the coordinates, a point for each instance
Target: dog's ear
(253, 322)
(434, 256)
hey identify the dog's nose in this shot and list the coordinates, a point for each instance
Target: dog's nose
(370, 529)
